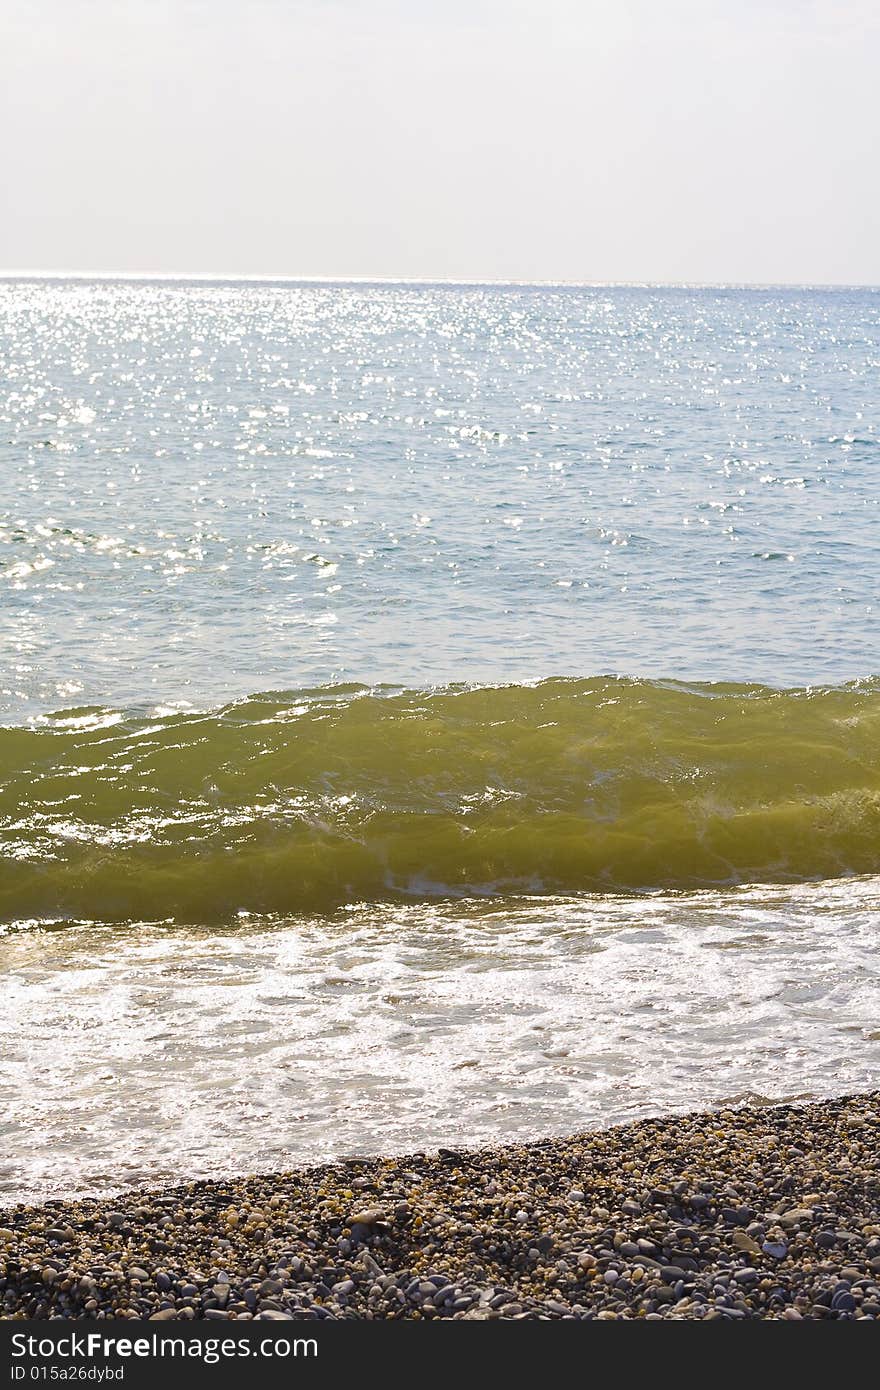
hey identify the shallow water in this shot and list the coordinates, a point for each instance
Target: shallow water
(492, 854)
(139, 1056)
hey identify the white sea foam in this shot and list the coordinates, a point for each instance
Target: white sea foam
(150, 1054)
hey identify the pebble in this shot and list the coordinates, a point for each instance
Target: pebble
(680, 1218)
(742, 1241)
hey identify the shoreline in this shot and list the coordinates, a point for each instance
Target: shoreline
(738, 1213)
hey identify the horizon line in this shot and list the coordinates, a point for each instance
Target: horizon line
(224, 277)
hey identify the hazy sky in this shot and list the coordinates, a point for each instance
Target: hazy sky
(526, 139)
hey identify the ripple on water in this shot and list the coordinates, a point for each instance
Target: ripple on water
(213, 489)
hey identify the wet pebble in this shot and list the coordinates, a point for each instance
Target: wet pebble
(745, 1213)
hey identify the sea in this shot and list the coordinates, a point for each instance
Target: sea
(429, 715)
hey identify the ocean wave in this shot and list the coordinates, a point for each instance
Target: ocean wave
(302, 801)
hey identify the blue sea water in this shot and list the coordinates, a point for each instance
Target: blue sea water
(209, 489)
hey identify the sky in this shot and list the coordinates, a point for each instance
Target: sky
(584, 140)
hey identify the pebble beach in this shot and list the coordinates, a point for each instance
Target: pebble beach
(731, 1214)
